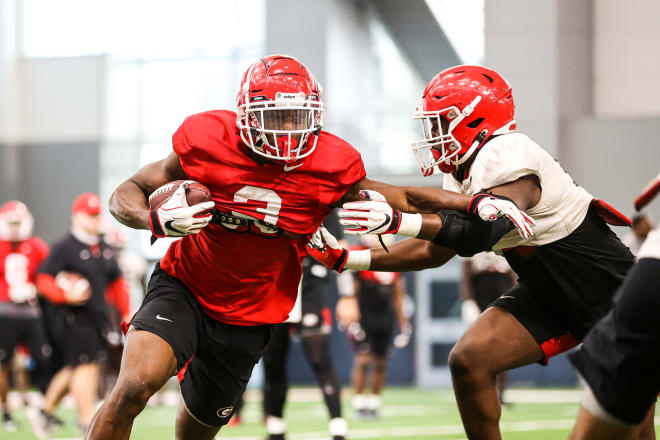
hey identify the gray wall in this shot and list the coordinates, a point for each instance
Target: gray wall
(50, 178)
(614, 159)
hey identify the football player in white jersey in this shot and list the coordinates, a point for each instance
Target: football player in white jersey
(620, 355)
(568, 270)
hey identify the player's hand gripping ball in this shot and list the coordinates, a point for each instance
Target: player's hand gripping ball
(77, 289)
(180, 208)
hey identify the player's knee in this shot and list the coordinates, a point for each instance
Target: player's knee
(463, 359)
(131, 394)
(380, 365)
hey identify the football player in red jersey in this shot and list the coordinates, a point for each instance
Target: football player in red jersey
(213, 299)
(20, 256)
(568, 271)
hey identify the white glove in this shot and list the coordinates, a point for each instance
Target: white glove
(175, 218)
(490, 208)
(375, 216)
(22, 292)
(469, 311)
(325, 249)
(402, 339)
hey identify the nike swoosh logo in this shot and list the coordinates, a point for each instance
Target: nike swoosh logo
(387, 220)
(168, 225)
(288, 168)
(163, 319)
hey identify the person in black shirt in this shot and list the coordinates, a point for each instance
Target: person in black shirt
(82, 326)
(314, 329)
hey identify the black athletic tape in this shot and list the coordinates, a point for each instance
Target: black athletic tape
(468, 235)
(396, 222)
(156, 228)
(339, 264)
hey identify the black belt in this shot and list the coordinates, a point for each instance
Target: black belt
(220, 217)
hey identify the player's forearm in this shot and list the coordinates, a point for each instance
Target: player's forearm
(424, 199)
(128, 205)
(414, 199)
(409, 255)
(399, 293)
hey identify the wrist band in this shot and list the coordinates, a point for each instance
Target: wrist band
(411, 224)
(358, 260)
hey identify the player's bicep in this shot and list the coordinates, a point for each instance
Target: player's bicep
(156, 174)
(525, 192)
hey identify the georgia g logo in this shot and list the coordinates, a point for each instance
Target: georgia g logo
(225, 412)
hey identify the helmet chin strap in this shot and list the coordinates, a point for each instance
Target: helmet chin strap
(467, 111)
(472, 149)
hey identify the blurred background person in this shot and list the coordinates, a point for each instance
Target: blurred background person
(78, 276)
(641, 226)
(313, 325)
(380, 297)
(20, 256)
(133, 267)
(486, 276)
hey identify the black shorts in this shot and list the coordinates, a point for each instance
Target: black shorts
(76, 340)
(28, 331)
(620, 356)
(378, 329)
(566, 286)
(554, 327)
(316, 318)
(214, 360)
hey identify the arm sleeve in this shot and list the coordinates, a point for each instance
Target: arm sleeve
(468, 235)
(352, 173)
(48, 287)
(117, 294)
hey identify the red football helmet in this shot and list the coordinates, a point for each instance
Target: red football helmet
(16, 222)
(461, 108)
(279, 108)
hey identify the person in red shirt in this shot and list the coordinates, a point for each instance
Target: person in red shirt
(213, 300)
(20, 256)
(380, 297)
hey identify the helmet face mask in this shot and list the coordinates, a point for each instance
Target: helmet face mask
(280, 112)
(439, 146)
(462, 107)
(16, 222)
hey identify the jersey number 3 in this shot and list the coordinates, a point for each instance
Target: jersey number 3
(271, 211)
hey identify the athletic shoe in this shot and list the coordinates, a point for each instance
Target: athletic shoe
(9, 423)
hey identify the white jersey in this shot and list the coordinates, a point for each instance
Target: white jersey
(651, 246)
(563, 205)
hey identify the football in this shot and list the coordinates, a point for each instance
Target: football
(77, 288)
(195, 193)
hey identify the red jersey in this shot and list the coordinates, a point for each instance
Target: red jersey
(249, 275)
(19, 262)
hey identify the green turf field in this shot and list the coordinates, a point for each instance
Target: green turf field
(408, 413)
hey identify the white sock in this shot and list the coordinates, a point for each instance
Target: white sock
(338, 427)
(359, 401)
(275, 425)
(373, 401)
